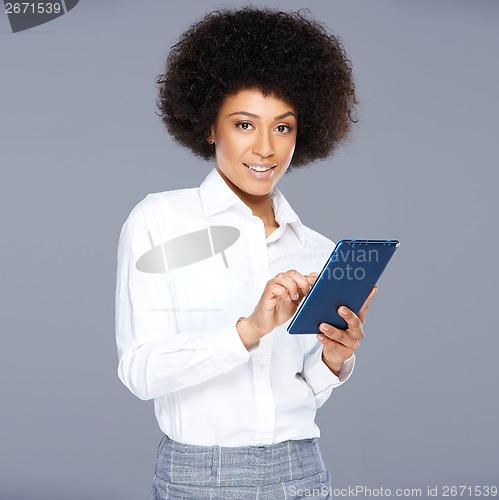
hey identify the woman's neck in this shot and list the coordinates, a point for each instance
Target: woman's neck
(261, 206)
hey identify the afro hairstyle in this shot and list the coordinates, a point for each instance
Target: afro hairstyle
(286, 55)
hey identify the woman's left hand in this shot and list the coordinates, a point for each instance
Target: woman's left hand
(339, 345)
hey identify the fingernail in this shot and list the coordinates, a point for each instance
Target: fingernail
(325, 327)
(296, 296)
(344, 311)
(320, 337)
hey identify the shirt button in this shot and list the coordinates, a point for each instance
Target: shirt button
(261, 368)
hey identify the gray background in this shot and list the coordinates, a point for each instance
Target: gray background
(81, 145)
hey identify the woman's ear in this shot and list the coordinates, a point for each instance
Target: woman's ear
(211, 136)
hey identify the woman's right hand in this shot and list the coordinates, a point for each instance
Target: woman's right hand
(278, 303)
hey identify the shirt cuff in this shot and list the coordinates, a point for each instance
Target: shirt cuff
(227, 349)
(346, 370)
(320, 377)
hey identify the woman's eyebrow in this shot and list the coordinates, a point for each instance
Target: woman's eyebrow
(252, 115)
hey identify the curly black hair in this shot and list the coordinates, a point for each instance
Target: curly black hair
(286, 55)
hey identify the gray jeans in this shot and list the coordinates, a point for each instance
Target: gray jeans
(288, 470)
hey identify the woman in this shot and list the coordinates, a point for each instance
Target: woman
(209, 276)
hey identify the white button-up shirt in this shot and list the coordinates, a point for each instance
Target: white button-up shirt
(191, 262)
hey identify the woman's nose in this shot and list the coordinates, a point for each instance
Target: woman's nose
(264, 145)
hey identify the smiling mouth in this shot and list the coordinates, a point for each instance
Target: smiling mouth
(260, 168)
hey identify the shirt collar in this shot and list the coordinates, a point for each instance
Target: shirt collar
(217, 196)
(284, 214)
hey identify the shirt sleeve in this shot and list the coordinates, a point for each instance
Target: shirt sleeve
(320, 378)
(154, 358)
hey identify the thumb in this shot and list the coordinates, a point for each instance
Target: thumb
(312, 276)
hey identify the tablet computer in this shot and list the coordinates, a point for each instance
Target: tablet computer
(346, 279)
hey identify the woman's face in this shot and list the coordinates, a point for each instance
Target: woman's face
(253, 132)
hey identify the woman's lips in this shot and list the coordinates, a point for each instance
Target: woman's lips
(260, 164)
(266, 174)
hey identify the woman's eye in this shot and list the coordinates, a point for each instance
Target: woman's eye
(244, 125)
(283, 128)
